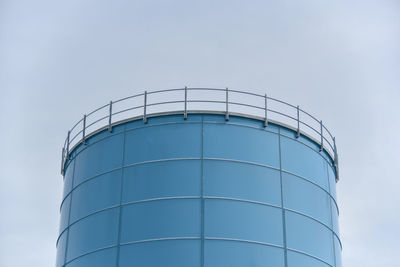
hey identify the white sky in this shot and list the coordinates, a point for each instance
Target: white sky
(339, 60)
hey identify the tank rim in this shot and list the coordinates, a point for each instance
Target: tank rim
(216, 100)
(200, 112)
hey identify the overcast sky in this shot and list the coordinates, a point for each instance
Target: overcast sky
(339, 60)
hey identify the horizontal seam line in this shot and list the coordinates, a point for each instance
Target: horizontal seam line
(206, 158)
(310, 255)
(198, 238)
(197, 197)
(172, 239)
(194, 122)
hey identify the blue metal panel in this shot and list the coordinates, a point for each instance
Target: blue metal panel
(338, 254)
(332, 182)
(95, 195)
(305, 197)
(64, 213)
(309, 236)
(165, 253)
(201, 192)
(157, 219)
(238, 254)
(302, 160)
(160, 180)
(228, 142)
(101, 258)
(242, 181)
(163, 142)
(241, 220)
(298, 259)
(335, 215)
(98, 158)
(61, 246)
(92, 233)
(68, 178)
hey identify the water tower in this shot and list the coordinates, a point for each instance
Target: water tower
(199, 177)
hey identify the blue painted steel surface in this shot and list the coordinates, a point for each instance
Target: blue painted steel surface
(200, 192)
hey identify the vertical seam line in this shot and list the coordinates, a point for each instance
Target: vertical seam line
(331, 216)
(202, 192)
(283, 210)
(69, 215)
(120, 199)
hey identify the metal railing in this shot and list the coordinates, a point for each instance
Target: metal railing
(196, 100)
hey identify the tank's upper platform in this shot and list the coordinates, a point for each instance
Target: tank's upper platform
(201, 100)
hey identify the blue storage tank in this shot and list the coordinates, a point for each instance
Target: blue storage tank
(204, 188)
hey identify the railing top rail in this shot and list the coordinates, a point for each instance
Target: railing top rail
(128, 97)
(205, 89)
(246, 93)
(97, 109)
(166, 100)
(282, 102)
(165, 90)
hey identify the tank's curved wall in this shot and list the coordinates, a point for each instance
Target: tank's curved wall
(198, 192)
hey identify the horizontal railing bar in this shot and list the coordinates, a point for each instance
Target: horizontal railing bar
(76, 124)
(97, 109)
(96, 121)
(283, 114)
(246, 105)
(165, 90)
(206, 101)
(76, 135)
(247, 93)
(282, 102)
(128, 97)
(326, 129)
(305, 112)
(328, 132)
(167, 102)
(329, 143)
(316, 131)
(128, 109)
(309, 126)
(206, 89)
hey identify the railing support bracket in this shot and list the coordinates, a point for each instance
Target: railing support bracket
(298, 122)
(227, 104)
(185, 112)
(266, 109)
(144, 107)
(321, 147)
(84, 130)
(109, 117)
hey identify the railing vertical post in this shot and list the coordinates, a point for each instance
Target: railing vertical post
(84, 129)
(62, 160)
(109, 117)
(298, 122)
(68, 137)
(334, 151)
(322, 137)
(144, 107)
(185, 113)
(336, 160)
(227, 104)
(266, 108)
